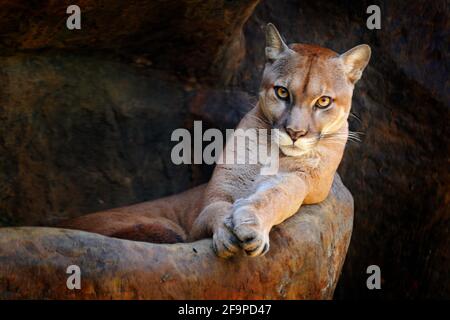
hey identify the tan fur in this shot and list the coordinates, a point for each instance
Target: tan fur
(238, 207)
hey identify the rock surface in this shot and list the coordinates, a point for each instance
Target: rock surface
(80, 134)
(196, 38)
(304, 262)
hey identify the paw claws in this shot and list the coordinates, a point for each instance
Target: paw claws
(229, 223)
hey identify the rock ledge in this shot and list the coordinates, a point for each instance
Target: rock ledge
(305, 260)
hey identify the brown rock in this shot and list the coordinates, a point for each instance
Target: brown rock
(304, 262)
(197, 38)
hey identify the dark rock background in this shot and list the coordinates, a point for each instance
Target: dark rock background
(86, 115)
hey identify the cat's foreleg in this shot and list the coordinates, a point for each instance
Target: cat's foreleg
(212, 221)
(274, 200)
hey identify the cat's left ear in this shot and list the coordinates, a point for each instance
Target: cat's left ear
(355, 60)
(275, 45)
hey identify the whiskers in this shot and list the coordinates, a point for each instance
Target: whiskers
(354, 116)
(355, 136)
(342, 138)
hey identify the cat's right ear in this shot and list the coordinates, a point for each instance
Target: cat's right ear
(355, 60)
(275, 45)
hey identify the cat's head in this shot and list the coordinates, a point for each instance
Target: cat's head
(306, 91)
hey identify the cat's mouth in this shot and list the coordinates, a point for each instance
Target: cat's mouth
(295, 151)
(298, 147)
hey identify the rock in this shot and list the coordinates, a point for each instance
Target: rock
(304, 262)
(196, 38)
(81, 134)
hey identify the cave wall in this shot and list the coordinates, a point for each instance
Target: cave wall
(86, 116)
(187, 37)
(81, 134)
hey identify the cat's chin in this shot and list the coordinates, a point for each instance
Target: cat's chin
(293, 151)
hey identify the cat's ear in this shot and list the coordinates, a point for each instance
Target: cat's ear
(355, 60)
(275, 45)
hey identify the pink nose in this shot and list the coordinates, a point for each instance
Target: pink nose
(296, 134)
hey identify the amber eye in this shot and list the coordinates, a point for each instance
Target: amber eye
(323, 102)
(282, 93)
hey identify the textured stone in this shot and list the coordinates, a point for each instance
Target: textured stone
(304, 262)
(79, 134)
(195, 37)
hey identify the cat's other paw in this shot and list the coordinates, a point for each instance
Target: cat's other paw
(252, 236)
(224, 242)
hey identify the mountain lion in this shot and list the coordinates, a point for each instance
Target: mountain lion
(306, 94)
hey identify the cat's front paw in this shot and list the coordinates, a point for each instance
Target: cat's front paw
(224, 242)
(247, 227)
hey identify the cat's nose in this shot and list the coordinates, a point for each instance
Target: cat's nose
(296, 134)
